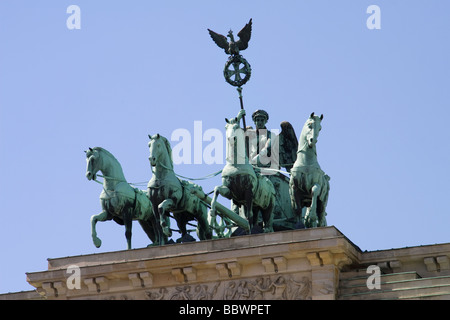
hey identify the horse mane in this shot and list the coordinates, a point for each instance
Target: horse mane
(304, 131)
(169, 149)
(106, 152)
(109, 154)
(112, 157)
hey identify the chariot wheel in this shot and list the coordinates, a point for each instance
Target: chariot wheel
(222, 226)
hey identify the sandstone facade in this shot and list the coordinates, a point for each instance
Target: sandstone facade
(318, 263)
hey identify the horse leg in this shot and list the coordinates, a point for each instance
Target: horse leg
(322, 204)
(128, 221)
(296, 202)
(225, 192)
(321, 213)
(203, 229)
(315, 191)
(156, 223)
(164, 218)
(181, 223)
(267, 215)
(148, 229)
(102, 216)
(248, 207)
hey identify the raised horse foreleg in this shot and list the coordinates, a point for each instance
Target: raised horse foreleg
(225, 192)
(102, 216)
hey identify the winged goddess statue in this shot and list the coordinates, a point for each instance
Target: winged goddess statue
(233, 47)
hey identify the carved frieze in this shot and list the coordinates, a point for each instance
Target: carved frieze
(286, 287)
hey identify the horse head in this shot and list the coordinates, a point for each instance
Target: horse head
(232, 128)
(160, 150)
(154, 146)
(235, 139)
(93, 163)
(311, 129)
(232, 124)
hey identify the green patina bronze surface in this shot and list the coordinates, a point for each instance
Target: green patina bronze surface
(240, 183)
(309, 185)
(170, 194)
(119, 201)
(264, 199)
(237, 70)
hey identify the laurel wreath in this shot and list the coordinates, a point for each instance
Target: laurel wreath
(247, 70)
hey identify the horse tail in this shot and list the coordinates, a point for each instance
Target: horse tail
(142, 208)
(265, 191)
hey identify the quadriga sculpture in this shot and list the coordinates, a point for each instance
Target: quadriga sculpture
(309, 185)
(170, 194)
(120, 202)
(240, 182)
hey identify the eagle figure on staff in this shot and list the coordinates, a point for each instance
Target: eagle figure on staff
(237, 70)
(233, 47)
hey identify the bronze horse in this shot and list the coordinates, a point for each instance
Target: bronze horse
(170, 194)
(241, 183)
(309, 185)
(120, 202)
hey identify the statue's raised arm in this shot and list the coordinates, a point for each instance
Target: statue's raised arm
(240, 114)
(237, 119)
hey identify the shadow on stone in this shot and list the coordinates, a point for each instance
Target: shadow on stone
(242, 232)
(186, 238)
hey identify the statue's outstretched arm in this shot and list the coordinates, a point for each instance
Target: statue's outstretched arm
(240, 114)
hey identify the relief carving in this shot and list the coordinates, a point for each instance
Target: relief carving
(262, 288)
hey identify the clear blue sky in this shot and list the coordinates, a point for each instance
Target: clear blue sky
(143, 67)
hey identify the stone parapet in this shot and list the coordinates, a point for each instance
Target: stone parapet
(300, 264)
(307, 264)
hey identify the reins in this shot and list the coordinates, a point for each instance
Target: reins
(188, 178)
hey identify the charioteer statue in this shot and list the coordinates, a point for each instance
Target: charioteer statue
(262, 142)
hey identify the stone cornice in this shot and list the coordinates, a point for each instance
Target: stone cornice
(244, 257)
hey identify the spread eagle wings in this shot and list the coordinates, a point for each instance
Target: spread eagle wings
(288, 145)
(242, 44)
(244, 36)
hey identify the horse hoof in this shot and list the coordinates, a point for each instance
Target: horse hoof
(186, 238)
(153, 245)
(167, 232)
(97, 242)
